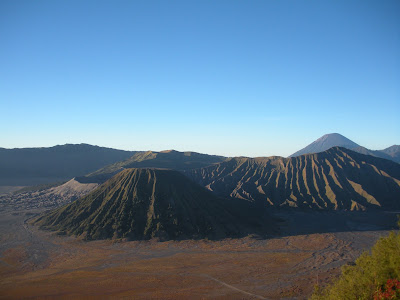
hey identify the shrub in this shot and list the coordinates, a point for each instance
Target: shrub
(375, 275)
(390, 291)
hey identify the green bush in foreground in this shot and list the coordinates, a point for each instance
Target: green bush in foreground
(375, 275)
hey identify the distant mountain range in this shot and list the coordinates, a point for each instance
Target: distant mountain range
(148, 203)
(335, 179)
(219, 197)
(93, 164)
(32, 166)
(337, 140)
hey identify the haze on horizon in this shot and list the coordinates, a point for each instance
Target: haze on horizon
(232, 78)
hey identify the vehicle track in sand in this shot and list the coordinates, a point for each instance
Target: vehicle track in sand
(234, 288)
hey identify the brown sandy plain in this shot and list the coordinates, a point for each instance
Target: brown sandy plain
(41, 265)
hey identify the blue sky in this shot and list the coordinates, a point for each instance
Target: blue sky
(254, 78)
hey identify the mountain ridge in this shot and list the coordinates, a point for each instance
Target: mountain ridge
(32, 166)
(337, 179)
(167, 159)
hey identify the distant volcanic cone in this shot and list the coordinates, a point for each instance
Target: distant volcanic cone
(326, 142)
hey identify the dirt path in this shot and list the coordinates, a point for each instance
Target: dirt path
(234, 288)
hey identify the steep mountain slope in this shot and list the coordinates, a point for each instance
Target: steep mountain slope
(146, 203)
(326, 142)
(169, 159)
(393, 152)
(335, 179)
(30, 166)
(376, 153)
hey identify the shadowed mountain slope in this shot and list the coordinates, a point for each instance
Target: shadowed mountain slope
(169, 159)
(376, 153)
(32, 166)
(326, 142)
(335, 179)
(147, 203)
(393, 152)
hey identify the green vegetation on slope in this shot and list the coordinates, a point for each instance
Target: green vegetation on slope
(335, 179)
(374, 275)
(146, 203)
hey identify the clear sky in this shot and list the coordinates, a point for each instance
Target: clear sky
(254, 78)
